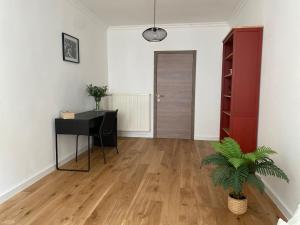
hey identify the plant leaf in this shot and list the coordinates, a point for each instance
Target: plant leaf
(219, 149)
(237, 162)
(220, 174)
(215, 159)
(232, 147)
(228, 148)
(256, 182)
(269, 168)
(238, 178)
(260, 153)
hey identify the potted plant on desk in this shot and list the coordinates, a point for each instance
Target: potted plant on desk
(234, 169)
(98, 92)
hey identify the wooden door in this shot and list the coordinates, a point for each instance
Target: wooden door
(174, 94)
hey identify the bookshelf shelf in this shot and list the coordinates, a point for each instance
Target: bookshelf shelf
(229, 56)
(226, 130)
(228, 75)
(227, 113)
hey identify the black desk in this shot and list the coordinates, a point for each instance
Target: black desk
(84, 124)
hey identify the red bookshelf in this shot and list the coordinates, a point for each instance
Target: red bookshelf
(242, 49)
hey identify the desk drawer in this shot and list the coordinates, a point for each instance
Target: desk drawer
(72, 127)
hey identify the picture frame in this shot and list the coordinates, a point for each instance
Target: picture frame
(70, 48)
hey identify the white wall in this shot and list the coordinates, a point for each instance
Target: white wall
(248, 13)
(131, 67)
(35, 83)
(279, 122)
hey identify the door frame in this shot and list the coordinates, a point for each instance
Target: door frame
(156, 53)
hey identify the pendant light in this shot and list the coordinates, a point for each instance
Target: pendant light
(155, 34)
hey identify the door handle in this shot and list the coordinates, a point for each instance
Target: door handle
(158, 96)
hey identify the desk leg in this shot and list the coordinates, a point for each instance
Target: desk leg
(77, 148)
(56, 151)
(89, 153)
(72, 170)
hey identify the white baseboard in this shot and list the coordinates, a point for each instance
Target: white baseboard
(26, 183)
(135, 134)
(36, 177)
(150, 135)
(207, 138)
(278, 202)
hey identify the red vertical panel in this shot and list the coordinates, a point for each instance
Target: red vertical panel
(246, 65)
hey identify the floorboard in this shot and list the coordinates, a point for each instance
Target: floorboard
(151, 182)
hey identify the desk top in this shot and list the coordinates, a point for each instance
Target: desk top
(89, 115)
(85, 116)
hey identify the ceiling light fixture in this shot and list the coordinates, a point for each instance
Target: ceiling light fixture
(155, 34)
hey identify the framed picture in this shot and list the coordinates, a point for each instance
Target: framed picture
(70, 46)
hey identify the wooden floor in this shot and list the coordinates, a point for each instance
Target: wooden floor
(151, 182)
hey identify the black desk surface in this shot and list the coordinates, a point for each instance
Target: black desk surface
(83, 124)
(89, 115)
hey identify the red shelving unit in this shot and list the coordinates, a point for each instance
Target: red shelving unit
(242, 50)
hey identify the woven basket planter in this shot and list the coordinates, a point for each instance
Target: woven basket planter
(236, 206)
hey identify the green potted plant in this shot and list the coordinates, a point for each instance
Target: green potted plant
(234, 169)
(98, 93)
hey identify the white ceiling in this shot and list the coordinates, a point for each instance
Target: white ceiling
(137, 12)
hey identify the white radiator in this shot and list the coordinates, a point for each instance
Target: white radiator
(134, 111)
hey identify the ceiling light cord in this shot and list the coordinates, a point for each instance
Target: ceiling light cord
(154, 13)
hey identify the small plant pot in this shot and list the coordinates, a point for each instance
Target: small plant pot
(237, 206)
